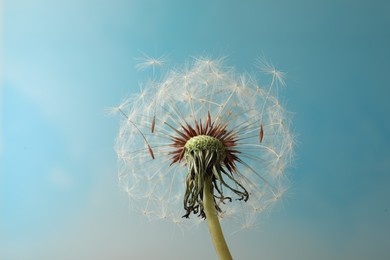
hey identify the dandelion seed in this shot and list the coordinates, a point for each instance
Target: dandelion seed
(207, 141)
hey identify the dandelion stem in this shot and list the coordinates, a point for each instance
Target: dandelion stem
(213, 223)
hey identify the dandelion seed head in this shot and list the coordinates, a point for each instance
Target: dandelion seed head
(204, 121)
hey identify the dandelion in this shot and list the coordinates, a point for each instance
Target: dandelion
(207, 141)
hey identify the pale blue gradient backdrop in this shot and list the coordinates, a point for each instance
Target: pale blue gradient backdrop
(65, 62)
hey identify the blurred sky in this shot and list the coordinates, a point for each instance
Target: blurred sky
(63, 63)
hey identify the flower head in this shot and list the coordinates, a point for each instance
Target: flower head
(205, 122)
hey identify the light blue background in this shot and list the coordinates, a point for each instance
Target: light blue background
(64, 62)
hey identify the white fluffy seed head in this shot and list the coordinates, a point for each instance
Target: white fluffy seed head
(156, 188)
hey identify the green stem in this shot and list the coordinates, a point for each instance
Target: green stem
(213, 223)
